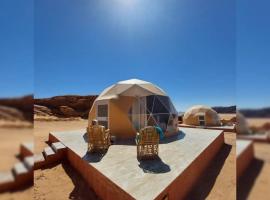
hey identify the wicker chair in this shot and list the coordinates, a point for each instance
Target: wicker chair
(147, 143)
(98, 138)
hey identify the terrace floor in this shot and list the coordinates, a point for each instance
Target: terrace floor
(144, 180)
(229, 128)
(241, 146)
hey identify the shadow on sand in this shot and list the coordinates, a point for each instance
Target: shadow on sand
(247, 180)
(155, 166)
(81, 189)
(205, 184)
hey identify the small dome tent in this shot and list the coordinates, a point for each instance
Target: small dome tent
(201, 116)
(241, 124)
(130, 105)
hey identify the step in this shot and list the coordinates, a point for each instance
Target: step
(38, 158)
(19, 169)
(27, 149)
(58, 147)
(6, 177)
(22, 175)
(48, 152)
(29, 162)
(39, 161)
(7, 180)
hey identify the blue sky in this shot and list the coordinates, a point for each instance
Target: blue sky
(16, 47)
(253, 53)
(188, 48)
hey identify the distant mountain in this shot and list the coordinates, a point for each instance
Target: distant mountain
(261, 112)
(64, 106)
(23, 105)
(223, 109)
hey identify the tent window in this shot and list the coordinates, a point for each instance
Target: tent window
(158, 105)
(201, 120)
(153, 110)
(102, 111)
(202, 123)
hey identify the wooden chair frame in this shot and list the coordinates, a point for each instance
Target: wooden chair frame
(98, 138)
(147, 143)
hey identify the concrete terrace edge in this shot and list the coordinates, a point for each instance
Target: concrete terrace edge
(255, 138)
(196, 168)
(97, 180)
(244, 159)
(222, 128)
(93, 177)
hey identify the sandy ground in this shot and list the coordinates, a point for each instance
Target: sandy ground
(219, 180)
(10, 140)
(257, 122)
(226, 116)
(255, 182)
(42, 129)
(22, 194)
(61, 181)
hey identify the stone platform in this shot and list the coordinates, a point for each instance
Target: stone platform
(224, 128)
(245, 154)
(119, 175)
(256, 137)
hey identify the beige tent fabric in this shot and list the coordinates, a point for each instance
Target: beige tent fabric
(241, 124)
(121, 100)
(211, 117)
(132, 87)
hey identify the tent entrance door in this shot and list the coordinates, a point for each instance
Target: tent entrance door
(139, 117)
(102, 114)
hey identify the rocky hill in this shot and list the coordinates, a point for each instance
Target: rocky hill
(257, 113)
(68, 106)
(228, 109)
(10, 114)
(20, 108)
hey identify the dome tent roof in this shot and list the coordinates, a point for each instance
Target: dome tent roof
(131, 87)
(241, 124)
(210, 116)
(133, 104)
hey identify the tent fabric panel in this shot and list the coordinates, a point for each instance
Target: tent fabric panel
(136, 90)
(120, 124)
(133, 81)
(122, 88)
(154, 89)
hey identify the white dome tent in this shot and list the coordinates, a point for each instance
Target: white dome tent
(133, 104)
(200, 115)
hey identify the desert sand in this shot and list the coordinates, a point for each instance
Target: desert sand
(219, 180)
(257, 122)
(62, 182)
(59, 181)
(255, 182)
(10, 140)
(22, 194)
(42, 129)
(227, 116)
